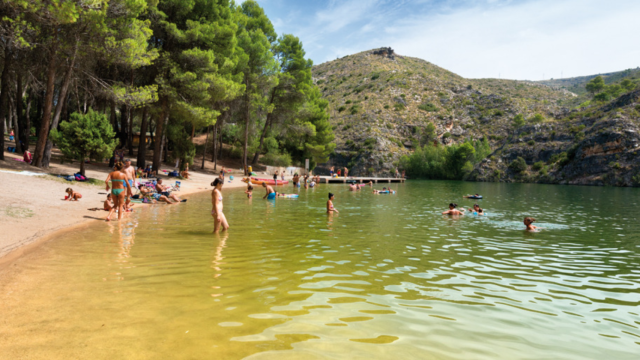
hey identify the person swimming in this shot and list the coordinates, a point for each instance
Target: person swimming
(330, 208)
(453, 211)
(528, 222)
(477, 210)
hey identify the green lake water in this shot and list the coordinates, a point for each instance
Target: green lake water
(388, 277)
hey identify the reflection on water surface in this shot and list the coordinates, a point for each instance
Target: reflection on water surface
(388, 276)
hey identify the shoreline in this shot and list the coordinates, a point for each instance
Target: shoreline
(33, 212)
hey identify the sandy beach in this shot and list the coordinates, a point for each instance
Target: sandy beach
(33, 207)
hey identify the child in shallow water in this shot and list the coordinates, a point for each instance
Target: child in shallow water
(528, 222)
(477, 210)
(72, 195)
(330, 208)
(249, 191)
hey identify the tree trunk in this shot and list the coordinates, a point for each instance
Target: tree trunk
(16, 126)
(62, 99)
(130, 132)
(43, 135)
(23, 135)
(124, 125)
(82, 165)
(267, 124)
(114, 118)
(142, 146)
(247, 113)
(26, 129)
(157, 149)
(204, 152)
(4, 96)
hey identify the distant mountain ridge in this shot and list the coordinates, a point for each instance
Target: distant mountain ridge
(382, 105)
(577, 84)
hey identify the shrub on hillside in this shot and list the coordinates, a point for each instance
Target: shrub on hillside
(429, 107)
(342, 108)
(518, 165)
(399, 107)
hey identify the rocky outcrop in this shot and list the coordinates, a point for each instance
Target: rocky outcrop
(601, 150)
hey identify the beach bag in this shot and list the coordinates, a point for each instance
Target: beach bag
(79, 177)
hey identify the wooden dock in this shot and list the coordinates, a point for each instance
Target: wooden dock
(358, 180)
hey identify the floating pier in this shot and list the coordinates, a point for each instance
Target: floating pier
(358, 180)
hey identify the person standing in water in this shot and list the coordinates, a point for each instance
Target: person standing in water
(271, 194)
(216, 200)
(453, 211)
(330, 208)
(119, 184)
(528, 222)
(275, 177)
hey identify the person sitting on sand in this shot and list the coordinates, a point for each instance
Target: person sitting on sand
(453, 211)
(185, 173)
(166, 191)
(271, 194)
(155, 197)
(330, 208)
(27, 157)
(72, 195)
(249, 191)
(528, 222)
(108, 204)
(477, 210)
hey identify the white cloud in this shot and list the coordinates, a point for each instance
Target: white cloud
(483, 38)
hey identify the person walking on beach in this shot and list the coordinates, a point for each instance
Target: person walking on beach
(275, 177)
(346, 173)
(331, 172)
(130, 171)
(271, 194)
(216, 200)
(119, 184)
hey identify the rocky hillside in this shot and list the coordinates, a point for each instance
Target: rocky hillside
(598, 145)
(382, 103)
(576, 85)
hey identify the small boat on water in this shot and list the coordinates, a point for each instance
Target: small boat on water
(258, 181)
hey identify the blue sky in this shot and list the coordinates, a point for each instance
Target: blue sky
(512, 39)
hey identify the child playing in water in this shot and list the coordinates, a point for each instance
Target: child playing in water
(108, 204)
(477, 210)
(249, 191)
(453, 211)
(72, 195)
(330, 208)
(528, 221)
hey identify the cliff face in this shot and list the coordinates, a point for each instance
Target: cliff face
(600, 147)
(382, 103)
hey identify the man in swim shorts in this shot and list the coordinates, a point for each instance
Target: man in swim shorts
(271, 194)
(131, 176)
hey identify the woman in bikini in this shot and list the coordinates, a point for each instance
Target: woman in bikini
(119, 184)
(330, 208)
(216, 212)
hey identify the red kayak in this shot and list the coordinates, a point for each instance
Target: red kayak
(257, 181)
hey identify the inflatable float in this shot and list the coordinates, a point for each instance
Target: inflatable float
(476, 197)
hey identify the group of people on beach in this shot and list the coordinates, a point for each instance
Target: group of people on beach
(120, 185)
